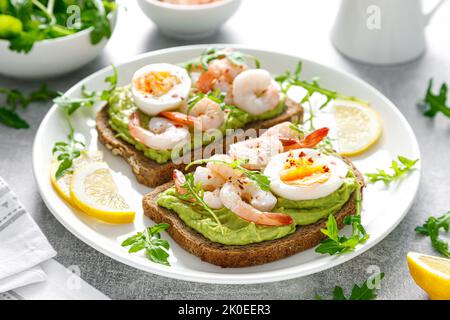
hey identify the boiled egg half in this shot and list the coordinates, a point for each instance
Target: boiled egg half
(160, 87)
(305, 174)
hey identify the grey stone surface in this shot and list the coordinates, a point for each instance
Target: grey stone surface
(301, 27)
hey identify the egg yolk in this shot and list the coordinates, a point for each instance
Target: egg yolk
(156, 83)
(304, 170)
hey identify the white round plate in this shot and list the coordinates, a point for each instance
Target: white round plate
(383, 207)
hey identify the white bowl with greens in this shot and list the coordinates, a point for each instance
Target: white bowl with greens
(46, 38)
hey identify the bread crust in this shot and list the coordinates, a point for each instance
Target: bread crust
(226, 256)
(151, 173)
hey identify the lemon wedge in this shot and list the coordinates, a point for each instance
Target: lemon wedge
(93, 190)
(358, 127)
(432, 274)
(62, 185)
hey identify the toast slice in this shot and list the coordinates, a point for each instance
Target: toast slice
(304, 238)
(151, 173)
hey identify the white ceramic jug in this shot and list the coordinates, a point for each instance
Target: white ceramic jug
(381, 31)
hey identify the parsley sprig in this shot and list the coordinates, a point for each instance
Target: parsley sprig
(435, 103)
(336, 244)
(150, 241)
(89, 98)
(261, 180)
(66, 153)
(14, 99)
(432, 227)
(289, 79)
(210, 54)
(359, 292)
(398, 169)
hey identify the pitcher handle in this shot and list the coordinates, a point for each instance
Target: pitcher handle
(430, 14)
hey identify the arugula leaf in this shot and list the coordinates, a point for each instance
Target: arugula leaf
(10, 118)
(42, 94)
(432, 227)
(66, 153)
(14, 99)
(436, 103)
(150, 241)
(261, 180)
(398, 170)
(288, 79)
(70, 105)
(336, 244)
(210, 54)
(359, 292)
(195, 192)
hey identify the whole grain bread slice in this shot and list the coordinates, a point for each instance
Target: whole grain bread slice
(151, 173)
(303, 238)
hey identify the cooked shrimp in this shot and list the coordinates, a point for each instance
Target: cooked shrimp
(162, 134)
(253, 194)
(254, 91)
(310, 141)
(212, 199)
(208, 179)
(209, 115)
(283, 130)
(205, 115)
(233, 195)
(204, 177)
(257, 151)
(222, 169)
(220, 75)
(179, 180)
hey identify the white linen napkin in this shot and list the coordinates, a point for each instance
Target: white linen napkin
(62, 284)
(22, 244)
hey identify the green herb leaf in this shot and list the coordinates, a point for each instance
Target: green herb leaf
(398, 169)
(261, 180)
(38, 20)
(43, 94)
(150, 241)
(10, 118)
(336, 244)
(14, 98)
(287, 80)
(359, 292)
(436, 103)
(66, 153)
(195, 192)
(432, 227)
(70, 105)
(210, 54)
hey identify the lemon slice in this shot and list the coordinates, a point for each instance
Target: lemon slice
(94, 191)
(430, 273)
(358, 127)
(62, 185)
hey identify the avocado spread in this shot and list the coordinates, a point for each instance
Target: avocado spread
(237, 231)
(121, 106)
